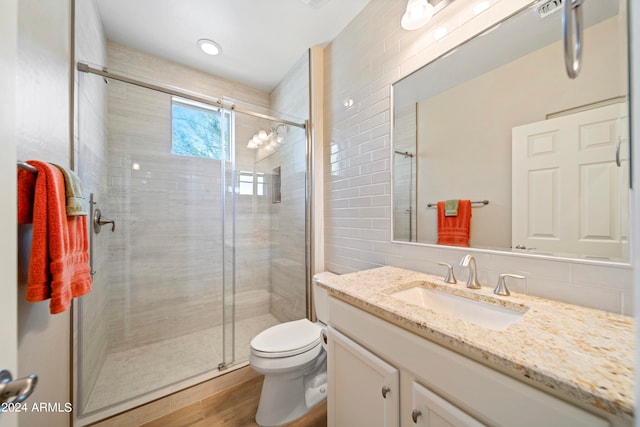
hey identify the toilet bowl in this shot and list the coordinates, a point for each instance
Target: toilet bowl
(293, 361)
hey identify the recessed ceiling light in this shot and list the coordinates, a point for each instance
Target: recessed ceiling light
(209, 47)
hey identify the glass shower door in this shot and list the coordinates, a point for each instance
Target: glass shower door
(209, 247)
(267, 190)
(155, 315)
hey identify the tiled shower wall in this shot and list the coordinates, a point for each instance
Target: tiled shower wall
(361, 64)
(165, 258)
(171, 212)
(290, 97)
(254, 243)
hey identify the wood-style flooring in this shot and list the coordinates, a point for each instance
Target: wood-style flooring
(234, 407)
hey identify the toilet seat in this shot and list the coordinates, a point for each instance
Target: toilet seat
(287, 339)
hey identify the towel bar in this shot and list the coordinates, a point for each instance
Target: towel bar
(26, 166)
(477, 202)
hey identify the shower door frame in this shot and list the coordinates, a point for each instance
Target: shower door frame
(109, 411)
(214, 102)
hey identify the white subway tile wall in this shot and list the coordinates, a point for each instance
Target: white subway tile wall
(361, 63)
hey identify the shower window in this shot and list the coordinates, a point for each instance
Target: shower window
(198, 130)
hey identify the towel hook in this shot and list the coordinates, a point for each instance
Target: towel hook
(99, 221)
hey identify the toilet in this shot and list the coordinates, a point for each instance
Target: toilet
(293, 360)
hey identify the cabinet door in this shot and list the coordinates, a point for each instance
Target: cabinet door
(430, 410)
(363, 389)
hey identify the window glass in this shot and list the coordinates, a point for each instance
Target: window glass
(245, 180)
(250, 183)
(198, 130)
(260, 184)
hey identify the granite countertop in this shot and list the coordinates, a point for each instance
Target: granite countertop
(585, 354)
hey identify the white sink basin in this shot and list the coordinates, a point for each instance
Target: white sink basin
(477, 312)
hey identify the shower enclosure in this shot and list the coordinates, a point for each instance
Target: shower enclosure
(404, 223)
(404, 174)
(208, 247)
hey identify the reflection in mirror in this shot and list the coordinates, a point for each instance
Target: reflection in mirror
(498, 119)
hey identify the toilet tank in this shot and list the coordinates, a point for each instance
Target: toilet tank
(321, 297)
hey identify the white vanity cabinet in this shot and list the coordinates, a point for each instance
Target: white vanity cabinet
(367, 353)
(364, 389)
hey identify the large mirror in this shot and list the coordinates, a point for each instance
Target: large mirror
(543, 158)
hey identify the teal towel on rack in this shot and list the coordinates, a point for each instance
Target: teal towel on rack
(76, 202)
(451, 207)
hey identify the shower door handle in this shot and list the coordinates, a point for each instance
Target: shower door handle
(99, 221)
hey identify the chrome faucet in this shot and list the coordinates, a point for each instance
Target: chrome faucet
(472, 280)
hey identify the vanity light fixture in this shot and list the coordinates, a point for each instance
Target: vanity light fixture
(278, 133)
(269, 138)
(209, 47)
(418, 13)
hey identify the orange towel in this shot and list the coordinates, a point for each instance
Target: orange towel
(58, 267)
(26, 188)
(455, 230)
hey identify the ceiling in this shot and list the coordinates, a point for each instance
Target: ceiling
(261, 39)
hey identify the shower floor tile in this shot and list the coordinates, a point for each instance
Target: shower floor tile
(130, 373)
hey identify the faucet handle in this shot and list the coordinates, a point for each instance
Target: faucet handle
(449, 277)
(501, 287)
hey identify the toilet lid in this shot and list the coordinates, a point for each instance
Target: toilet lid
(287, 339)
